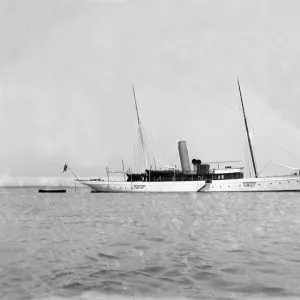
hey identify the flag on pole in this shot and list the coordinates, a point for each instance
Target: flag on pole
(65, 168)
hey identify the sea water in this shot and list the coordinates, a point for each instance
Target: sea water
(82, 245)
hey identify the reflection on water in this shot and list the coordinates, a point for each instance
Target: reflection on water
(163, 246)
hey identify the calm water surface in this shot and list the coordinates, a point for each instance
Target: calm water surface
(149, 246)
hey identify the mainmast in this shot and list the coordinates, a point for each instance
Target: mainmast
(140, 129)
(247, 131)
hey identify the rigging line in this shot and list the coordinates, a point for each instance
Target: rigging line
(146, 138)
(279, 146)
(176, 159)
(292, 168)
(142, 144)
(248, 170)
(148, 151)
(142, 151)
(246, 125)
(144, 148)
(245, 148)
(249, 164)
(168, 167)
(264, 167)
(247, 151)
(290, 153)
(134, 155)
(146, 144)
(139, 123)
(139, 152)
(250, 167)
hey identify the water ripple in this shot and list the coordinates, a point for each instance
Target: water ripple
(84, 246)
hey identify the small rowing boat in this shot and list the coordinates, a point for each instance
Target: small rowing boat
(52, 191)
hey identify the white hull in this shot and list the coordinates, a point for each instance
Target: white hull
(143, 187)
(266, 184)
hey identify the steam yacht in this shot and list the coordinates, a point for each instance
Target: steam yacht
(196, 176)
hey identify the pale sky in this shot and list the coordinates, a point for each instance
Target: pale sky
(66, 68)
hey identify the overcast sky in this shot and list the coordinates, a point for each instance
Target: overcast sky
(66, 68)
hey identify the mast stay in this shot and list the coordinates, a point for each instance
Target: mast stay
(247, 131)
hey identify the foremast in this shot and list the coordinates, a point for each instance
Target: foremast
(247, 131)
(141, 134)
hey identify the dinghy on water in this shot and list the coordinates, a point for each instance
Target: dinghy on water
(52, 191)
